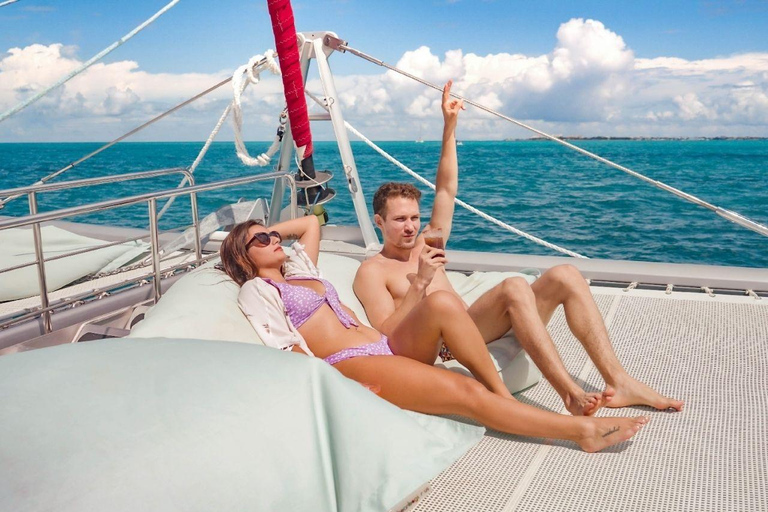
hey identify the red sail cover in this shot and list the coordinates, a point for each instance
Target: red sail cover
(293, 83)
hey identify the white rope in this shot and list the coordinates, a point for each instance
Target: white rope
(243, 76)
(8, 2)
(459, 201)
(723, 212)
(252, 74)
(631, 286)
(199, 158)
(106, 51)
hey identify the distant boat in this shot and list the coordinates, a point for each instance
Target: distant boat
(459, 143)
(420, 140)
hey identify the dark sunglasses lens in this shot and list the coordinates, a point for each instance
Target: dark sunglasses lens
(260, 238)
(276, 235)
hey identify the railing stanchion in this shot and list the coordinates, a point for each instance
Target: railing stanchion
(195, 218)
(155, 246)
(40, 260)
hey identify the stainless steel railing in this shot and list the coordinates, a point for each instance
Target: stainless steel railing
(32, 191)
(35, 219)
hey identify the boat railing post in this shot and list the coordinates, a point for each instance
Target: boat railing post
(195, 217)
(294, 203)
(155, 245)
(40, 261)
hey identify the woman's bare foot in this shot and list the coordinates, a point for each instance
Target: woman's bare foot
(630, 391)
(600, 433)
(587, 404)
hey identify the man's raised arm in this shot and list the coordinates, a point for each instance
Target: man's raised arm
(447, 182)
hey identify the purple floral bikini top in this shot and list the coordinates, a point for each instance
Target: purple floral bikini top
(302, 302)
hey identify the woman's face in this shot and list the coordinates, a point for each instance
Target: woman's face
(264, 256)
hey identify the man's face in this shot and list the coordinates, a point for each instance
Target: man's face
(401, 225)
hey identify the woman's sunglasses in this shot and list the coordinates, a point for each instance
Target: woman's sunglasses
(263, 239)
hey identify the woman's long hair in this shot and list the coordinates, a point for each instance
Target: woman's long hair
(234, 254)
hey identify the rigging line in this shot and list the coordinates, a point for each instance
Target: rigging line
(722, 212)
(106, 51)
(8, 2)
(250, 69)
(458, 201)
(5, 201)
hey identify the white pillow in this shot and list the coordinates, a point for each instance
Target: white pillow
(18, 247)
(200, 305)
(162, 424)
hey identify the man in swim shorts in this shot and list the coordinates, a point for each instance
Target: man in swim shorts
(406, 270)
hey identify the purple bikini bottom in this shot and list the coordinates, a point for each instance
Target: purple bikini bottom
(377, 348)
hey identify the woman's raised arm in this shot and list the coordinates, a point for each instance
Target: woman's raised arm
(304, 229)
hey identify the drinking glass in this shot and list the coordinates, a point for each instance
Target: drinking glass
(434, 238)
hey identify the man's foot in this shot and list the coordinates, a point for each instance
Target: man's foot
(587, 404)
(633, 392)
(600, 433)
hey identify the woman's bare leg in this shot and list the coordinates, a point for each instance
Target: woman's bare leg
(442, 314)
(423, 388)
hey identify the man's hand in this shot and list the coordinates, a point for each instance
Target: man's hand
(430, 260)
(451, 106)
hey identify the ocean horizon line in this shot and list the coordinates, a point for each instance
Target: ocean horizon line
(509, 139)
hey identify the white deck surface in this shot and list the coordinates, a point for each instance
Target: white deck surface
(710, 352)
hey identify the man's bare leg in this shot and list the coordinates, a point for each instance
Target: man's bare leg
(565, 285)
(512, 304)
(442, 315)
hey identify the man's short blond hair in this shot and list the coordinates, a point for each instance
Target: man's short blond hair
(393, 189)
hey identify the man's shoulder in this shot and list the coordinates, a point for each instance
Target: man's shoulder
(371, 266)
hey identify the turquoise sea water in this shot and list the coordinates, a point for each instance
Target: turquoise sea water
(537, 186)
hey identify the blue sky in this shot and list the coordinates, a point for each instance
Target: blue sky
(211, 39)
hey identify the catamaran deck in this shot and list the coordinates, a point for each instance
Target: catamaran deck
(711, 352)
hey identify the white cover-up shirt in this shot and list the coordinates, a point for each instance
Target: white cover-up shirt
(261, 303)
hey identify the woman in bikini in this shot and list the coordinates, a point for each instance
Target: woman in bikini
(399, 368)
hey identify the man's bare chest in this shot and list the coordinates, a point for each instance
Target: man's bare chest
(400, 276)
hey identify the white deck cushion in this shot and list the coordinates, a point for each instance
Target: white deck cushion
(159, 424)
(203, 305)
(17, 247)
(200, 305)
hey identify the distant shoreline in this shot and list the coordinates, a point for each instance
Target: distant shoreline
(509, 139)
(602, 137)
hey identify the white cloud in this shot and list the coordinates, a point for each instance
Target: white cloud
(591, 83)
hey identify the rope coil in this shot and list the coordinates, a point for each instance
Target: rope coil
(250, 72)
(244, 75)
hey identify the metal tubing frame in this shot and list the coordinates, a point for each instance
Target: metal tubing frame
(8, 320)
(40, 261)
(137, 199)
(87, 182)
(342, 139)
(155, 245)
(35, 219)
(64, 185)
